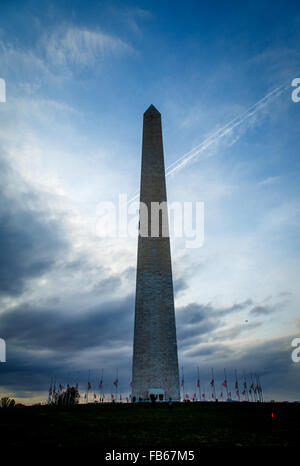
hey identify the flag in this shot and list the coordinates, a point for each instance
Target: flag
(116, 382)
(182, 382)
(245, 385)
(187, 396)
(131, 384)
(229, 394)
(100, 384)
(236, 386)
(221, 395)
(112, 396)
(203, 395)
(194, 396)
(198, 383)
(89, 385)
(95, 396)
(243, 392)
(224, 384)
(212, 382)
(237, 392)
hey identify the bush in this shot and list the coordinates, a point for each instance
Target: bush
(7, 402)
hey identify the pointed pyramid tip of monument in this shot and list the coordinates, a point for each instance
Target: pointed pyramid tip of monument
(152, 111)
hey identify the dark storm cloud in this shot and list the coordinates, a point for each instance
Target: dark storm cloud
(195, 312)
(53, 336)
(214, 350)
(190, 335)
(279, 375)
(235, 331)
(30, 241)
(37, 328)
(44, 340)
(194, 321)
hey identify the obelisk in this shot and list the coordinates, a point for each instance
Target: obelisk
(155, 359)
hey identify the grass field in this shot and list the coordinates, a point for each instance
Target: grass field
(142, 425)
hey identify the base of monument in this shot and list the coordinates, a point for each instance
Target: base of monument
(159, 394)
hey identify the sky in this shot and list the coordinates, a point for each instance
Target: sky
(79, 76)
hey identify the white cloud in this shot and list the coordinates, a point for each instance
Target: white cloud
(56, 56)
(83, 47)
(269, 180)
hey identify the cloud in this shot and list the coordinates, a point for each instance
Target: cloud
(231, 333)
(262, 310)
(194, 312)
(270, 359)
(82, 47)
(31, 240)
(216, 350)
(44, 327)
(179, 286)
(44, 339)
(197, 323)
(57, 55)
(247, 118)
(269, 181)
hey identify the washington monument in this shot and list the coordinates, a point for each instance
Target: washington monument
(155, 360)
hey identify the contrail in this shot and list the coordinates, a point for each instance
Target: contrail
(237, 121)
(212, 139)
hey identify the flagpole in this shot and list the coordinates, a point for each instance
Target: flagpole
(226, 384)
(88, 387)
(257, 388)
(251, 392)
(50, 391)
(237, 386)
(199, 384)
(54, 391)
(101, 388)
(245, 386)
(117, 381)
(213, 385)
(254, 394)
(182, 383)
(260, 389)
